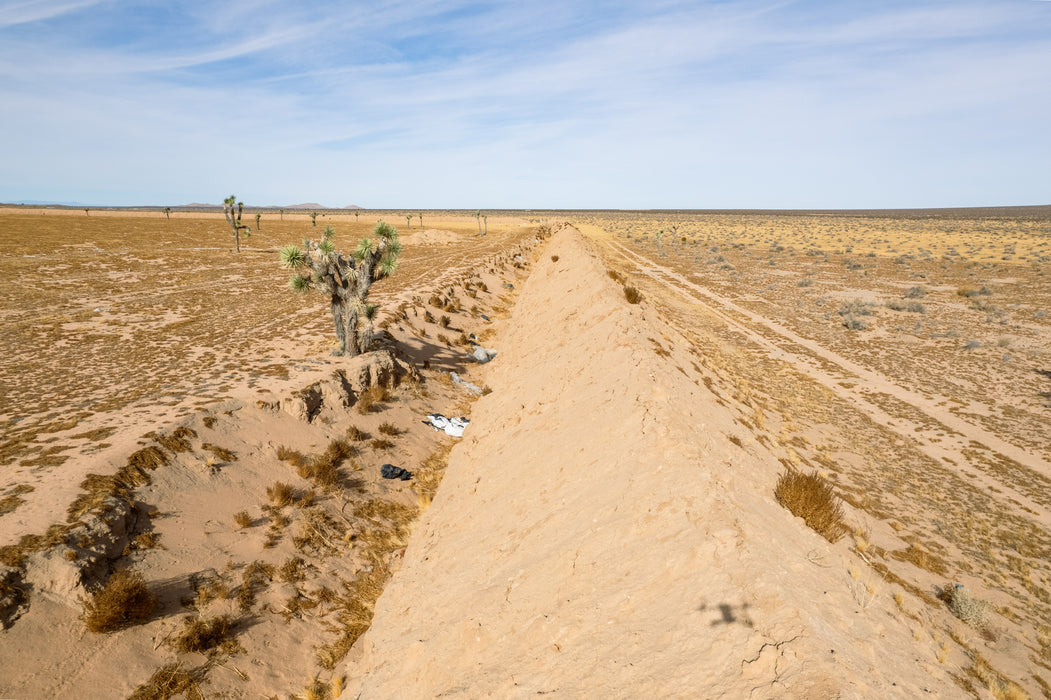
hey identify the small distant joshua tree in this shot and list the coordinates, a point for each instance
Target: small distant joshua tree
(233, 212)
(478, 216)
(408, 221)
(168, 213)
(356, 212)
(421, 220)
(282, 214)
(313, 218)
(87, 212)
(486, 220)
(258, 216)
(346, 280)
(657, 237)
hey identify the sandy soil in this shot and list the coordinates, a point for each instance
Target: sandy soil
(608, 523)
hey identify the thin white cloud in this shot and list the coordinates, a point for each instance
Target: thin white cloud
(15, 13)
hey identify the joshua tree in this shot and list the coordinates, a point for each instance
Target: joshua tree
(313, 218)
(657, 236)
(408, 221)
(257, 217)
(168, 213)
(478, 216)
(233, 217)
(486, 220)
(356, 214)
(282, 214)
(346, 280)
(421, 220)
(87, 212)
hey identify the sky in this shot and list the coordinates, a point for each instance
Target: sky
(612, 104)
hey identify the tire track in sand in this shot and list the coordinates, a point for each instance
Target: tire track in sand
(865, 382)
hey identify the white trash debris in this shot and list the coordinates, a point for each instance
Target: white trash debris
(451, 426)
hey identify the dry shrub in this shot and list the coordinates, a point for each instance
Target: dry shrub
(255, 575)
(444, 321)
(319, 531)
(316, 690)
(324, 468)
(615, 276)
(554, 258)
(200, 635)
(293, 570)
(147, 540)
(243, 519)
(808, 496)
(973, 611)
(124, 600)
(390, 429)
(293, 457)
(381, 444)
(357, 434)
(170, 681)
(369, 400)
(8, 504)
(221, 453)
(178, 440)
(631, 294)
(209, 421)
(280, 494)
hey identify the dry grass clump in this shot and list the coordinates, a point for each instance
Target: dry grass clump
(293, 570)
(808, 496)
(633, 295)
(356, 434)
(370, 400)
(178, 440)
(319, 531)
(9, 503)
(354, 612)
(969, 292)
(123, 601)
(255, 575)
(921, 558)
(147, 540)
(221, 453)
(293, 457)
(200, 635)
(324, 468)
(1001, 687)
(381, 444)
(429, 475)
(243, 519)
(554, 258)
(280, 494)
(170, 681)
(390, 429)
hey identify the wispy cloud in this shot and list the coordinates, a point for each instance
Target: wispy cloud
(602, 103)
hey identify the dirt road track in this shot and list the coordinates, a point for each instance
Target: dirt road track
(854, 383)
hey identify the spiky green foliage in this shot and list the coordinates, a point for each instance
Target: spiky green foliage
(345, 279)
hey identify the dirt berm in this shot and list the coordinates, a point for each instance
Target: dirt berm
(597, 534)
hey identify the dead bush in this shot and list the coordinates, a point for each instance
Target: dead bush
(809, 497)
(243, 519)
(357, 434)
(369, 400)
(170, 681)
(201, 636)
(280, 494)
(389, 429)
(123, 601)
(631, 294)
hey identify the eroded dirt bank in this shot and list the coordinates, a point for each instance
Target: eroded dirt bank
(599, 533)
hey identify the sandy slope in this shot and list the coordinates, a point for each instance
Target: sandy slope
(597, 534)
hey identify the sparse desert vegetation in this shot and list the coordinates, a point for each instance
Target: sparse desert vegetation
(893, 369)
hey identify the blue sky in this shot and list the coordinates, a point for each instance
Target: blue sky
(541, 104)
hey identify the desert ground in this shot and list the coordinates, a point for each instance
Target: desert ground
(609, 524)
